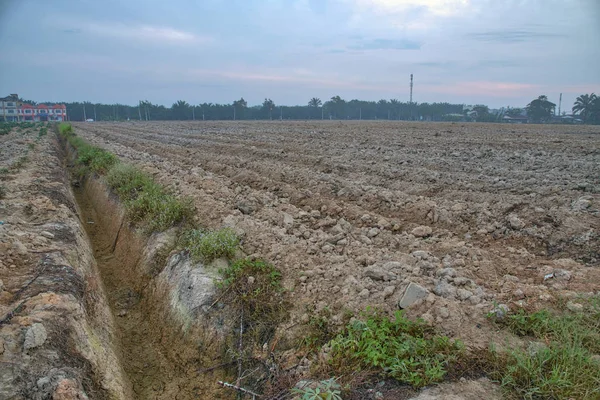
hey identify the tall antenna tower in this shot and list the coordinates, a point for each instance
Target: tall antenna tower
(559, 104)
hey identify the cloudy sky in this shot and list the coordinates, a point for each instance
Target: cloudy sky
(464, 51)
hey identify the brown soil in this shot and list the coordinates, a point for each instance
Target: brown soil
(160, 361)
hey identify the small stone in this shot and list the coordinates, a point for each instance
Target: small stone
(518, 294)
(500, 311)
(1, 286)
(562, 274)
(251, 280)
(422, 231)
(35, 336)
(535, 347)
(412, 294)
(449, 272)
(595, 358)
(122, 313)
(388, 291)
(47, 234)
(515, 222)
(245, 207)
(364, 293)
(378, 274)
(574, 307)
(288, 220)
(461, 281)
(444, 289)
(373, 232)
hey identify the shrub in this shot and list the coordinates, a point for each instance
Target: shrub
(406, 350)
(98, 160)
(210, 245)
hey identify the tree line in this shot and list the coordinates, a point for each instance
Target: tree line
(539, 110)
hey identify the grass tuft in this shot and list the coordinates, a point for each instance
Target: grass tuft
(563, 365)
(210, 245)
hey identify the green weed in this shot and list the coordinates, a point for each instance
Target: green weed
(65, 128)
(562, 367)
(210, 245)
(409, 351)
(325, 390)
(128, 181)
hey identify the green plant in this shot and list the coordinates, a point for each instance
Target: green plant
(409, 351)
(325, 390)
(65, 128)
(210, 245)
(98, 160)
(128, 181)
(562, 367)
(4, 170)
(157, 209)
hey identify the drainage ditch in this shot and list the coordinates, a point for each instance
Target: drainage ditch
(161, 360)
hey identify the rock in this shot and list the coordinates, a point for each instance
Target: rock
(68, 389)
(595, 358)
(515, 222)
(422, 231)
(444, 289)
(251, 280)
(462, 281)
(378, 273)
(47, 234)
(388, 291)
(446, 272)
(518, 294)
(122, 313)
(373, 232)
(364, 293)
(500, 311)
(562, 274)
(1, 285)
(1, 346)
(245, 207)
(412, 294)
(35, 336)
(421, 254)
(574, 307)
(288, 220)
(581, 204)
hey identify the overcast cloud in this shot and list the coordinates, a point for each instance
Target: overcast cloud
(461, 51)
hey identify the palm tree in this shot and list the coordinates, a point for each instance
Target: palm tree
(315, 103)
(584, 105)
(180, 109)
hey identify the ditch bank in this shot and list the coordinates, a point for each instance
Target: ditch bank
(157, 298)
(57, 333)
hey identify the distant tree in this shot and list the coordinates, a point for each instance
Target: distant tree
(337, 106)
(181, 110)
(394, 107)
(267, 107)
(540, 109)
(239, 107)
(514, 112)
(315, 103)
(584, 106)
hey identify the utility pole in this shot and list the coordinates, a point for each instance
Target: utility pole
(559, 104)
(411, 93)
(84, 117)
(95, 118)
(140, 109)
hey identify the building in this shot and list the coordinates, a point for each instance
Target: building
(9, 108)
(14, 111)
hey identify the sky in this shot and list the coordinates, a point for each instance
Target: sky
(499, 53)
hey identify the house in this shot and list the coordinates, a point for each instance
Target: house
(14, 111)
(9, 108)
